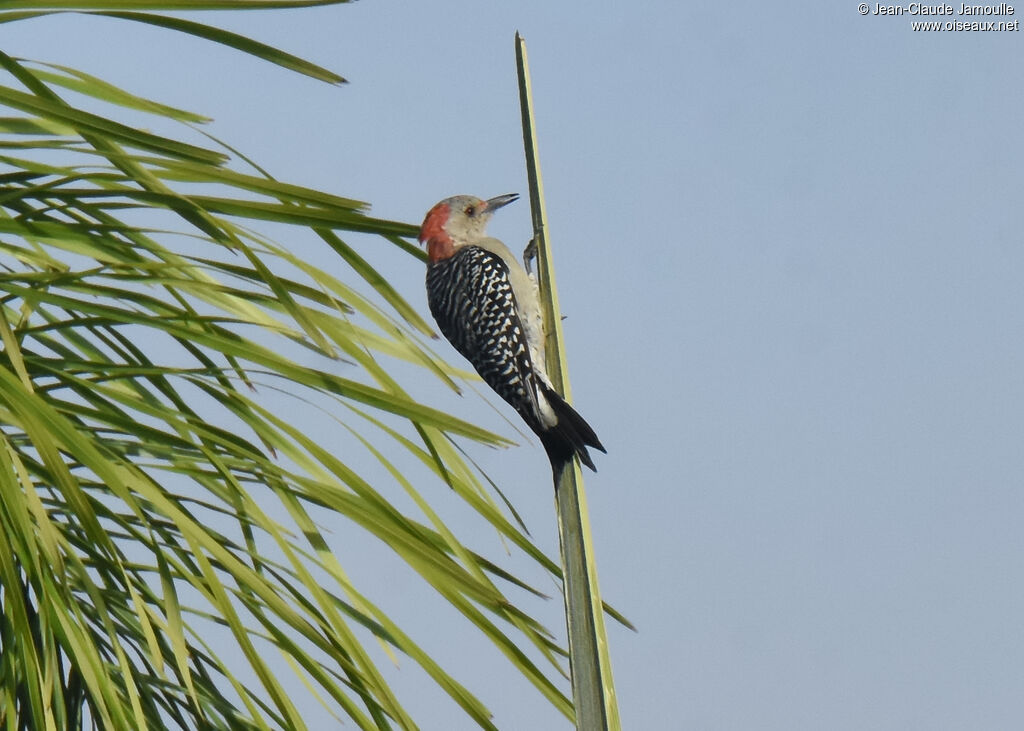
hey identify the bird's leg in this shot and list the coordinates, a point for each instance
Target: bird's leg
(530, 255)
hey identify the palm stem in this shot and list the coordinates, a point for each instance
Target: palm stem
(589, 659)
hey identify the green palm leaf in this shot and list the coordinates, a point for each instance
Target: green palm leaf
(153, 490)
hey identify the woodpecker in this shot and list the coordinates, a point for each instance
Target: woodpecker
(487, 306)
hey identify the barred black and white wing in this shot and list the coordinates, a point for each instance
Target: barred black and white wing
(472, 300)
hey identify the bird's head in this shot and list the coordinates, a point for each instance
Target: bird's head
(458, 221)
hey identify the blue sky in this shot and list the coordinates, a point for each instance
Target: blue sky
(787, 239)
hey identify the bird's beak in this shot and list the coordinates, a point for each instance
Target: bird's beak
(494, 204)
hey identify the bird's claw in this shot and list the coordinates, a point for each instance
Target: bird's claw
(530, 255)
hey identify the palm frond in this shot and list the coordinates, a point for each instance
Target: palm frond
(157, 481)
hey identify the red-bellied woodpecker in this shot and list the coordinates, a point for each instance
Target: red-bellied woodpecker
(487, 305)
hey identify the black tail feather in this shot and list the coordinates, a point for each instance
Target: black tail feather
(570, 436)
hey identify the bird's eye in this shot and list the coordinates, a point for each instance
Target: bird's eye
(470, 211)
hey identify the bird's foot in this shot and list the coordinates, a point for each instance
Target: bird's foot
(530, 255)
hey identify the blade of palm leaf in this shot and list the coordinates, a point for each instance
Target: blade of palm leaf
(104, 614)
(48, 537)
(405, 246)
(93, 359)
(18, 631)
(367, 507)
(241, 513)
(417, 498)
(343, 332)
(16, 539)
(185, 171)
(466, 556)
(298, 658)
(391, 631)
(13, 350)
(202, 286)
(104, 139)
(24, 411)
(221, 600)
(253, 703)
(82, 638)
(105, 412)
(61, 176)
(125, 671)
(360, 265)
(87, 245)
(141, 615)
(180, 405)
(233, 40)
(494, 486)
(442, 455)
(363, 358)
(213, 697)
(45, 204)
(322, 457)
(118, 634)
(34, 126)
(477, 499)
(89, 666)
(368, 503)
(372, 277)
(275, 635)
(245, 274)
(204, 332)
(83, 83)
(301, 215)
(322, 676)
(373, 313)
(56, 681)
(19, 176)
(212, 292)
(516, 655)
(171, 4)
(299, 314)
(412, 551)
(35, 144)
(492, 568)
(366, 671)
(300, 671)
(192, 532)
(234, 151)
(41, 170)
(475, 559)
(209, 367)
(357, 303)
(362, 615)
(201, 356)
(87, 123)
